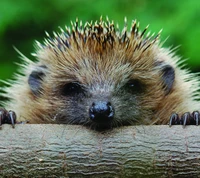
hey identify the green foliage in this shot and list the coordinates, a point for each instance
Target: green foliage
(23, 21)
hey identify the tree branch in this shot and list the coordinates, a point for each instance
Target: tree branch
(75, 151)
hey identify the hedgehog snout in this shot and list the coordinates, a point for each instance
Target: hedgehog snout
(101, 112)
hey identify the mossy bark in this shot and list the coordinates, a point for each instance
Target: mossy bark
(74, 151)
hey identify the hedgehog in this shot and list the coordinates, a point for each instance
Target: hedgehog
(99, 76)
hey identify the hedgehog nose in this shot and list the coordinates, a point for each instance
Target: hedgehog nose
(101, 112)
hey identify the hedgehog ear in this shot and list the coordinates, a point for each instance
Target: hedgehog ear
(35, 79)
(168, 77)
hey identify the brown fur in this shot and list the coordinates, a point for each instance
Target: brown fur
(102, 59)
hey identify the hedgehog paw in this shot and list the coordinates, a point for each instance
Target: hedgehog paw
(185, 119)
(7, 117)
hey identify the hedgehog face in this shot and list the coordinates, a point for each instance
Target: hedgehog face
(104, 98)
(101, 100)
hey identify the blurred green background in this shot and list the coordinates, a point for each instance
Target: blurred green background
(22, 21)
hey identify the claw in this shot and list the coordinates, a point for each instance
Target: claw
(174, 119)
(7, 117)
(12, 118)
(2, 116)
(196, 115)
(185, 119)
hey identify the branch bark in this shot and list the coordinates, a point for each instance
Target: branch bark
(75, 151)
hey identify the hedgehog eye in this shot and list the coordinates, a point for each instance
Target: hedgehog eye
(134, 86)
(71, 89)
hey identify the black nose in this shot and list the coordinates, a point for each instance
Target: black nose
(101, 112)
